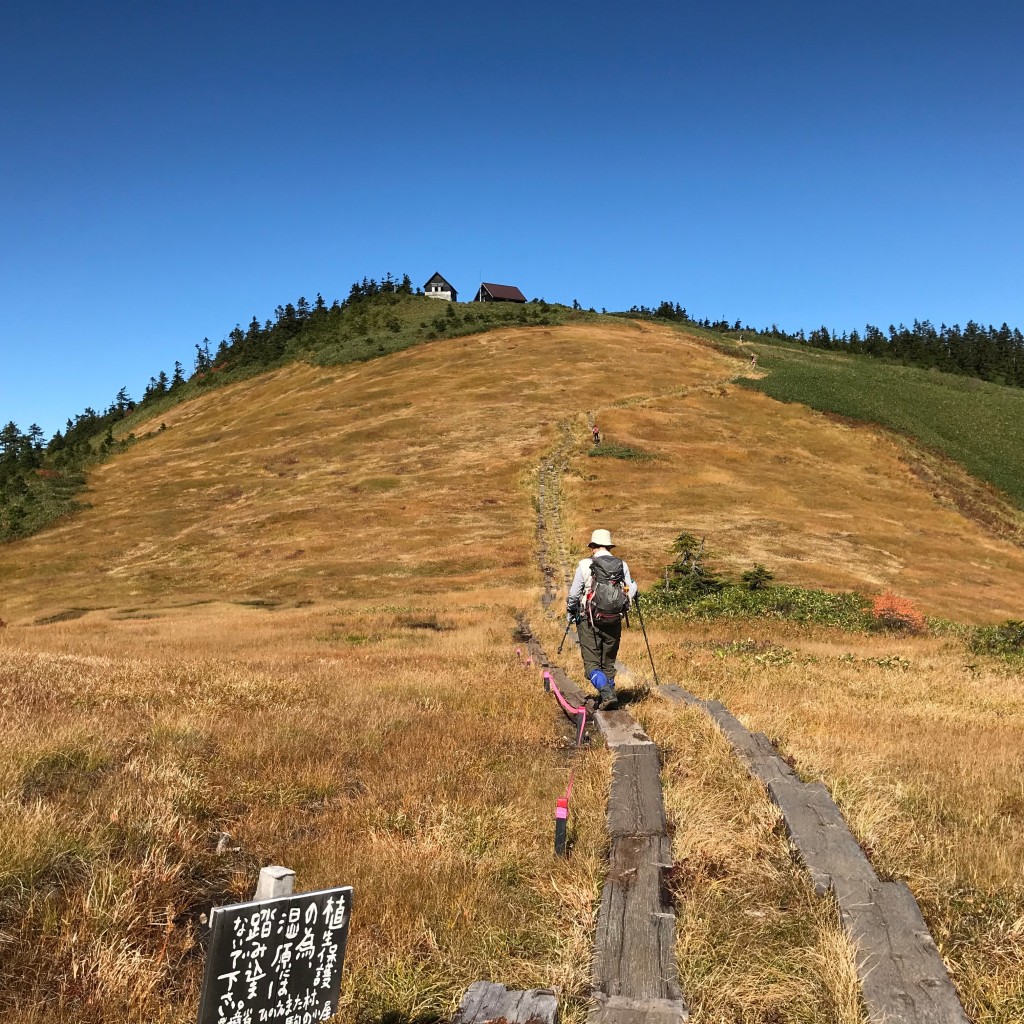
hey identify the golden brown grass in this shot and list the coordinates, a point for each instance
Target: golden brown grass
(921, 745)
(372, 748)
(411, 473)
(344, 738)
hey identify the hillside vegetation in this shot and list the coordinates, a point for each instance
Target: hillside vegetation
(287, 619)
(40, 481)
(980, 425)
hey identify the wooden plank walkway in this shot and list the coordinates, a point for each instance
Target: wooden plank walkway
(902, 976)
(485, 1002)
(634, 976)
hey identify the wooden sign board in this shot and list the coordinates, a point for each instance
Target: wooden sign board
(277, 960)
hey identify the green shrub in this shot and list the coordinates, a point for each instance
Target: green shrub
(1006, 638)
(757, 578)
(735, 600)
(614, 450)
(693, 589)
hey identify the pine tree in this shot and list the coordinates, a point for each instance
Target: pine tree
(203, 360)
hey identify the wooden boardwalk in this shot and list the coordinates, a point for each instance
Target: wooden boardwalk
(902, 976)
(487, 1003)
(634, 976)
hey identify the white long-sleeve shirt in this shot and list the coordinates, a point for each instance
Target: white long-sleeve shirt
(581, 581)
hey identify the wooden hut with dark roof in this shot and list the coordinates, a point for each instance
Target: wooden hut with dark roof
(438, 288)
(499, 293)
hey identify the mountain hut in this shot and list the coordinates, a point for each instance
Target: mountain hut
(438, 288)
(499, 293)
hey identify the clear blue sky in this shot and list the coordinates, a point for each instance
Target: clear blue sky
(169, 170)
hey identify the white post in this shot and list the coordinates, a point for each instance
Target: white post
(274, 881)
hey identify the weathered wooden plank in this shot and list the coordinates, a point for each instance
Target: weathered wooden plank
(754, 749)
(817, 829)
(620, 1010)
(620, 729)
(635, 805)
(635, 978)
(486, 1001)
(678, 695)
(902, 974)
(634, 952)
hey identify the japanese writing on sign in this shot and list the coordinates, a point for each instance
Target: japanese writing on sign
(276, 960)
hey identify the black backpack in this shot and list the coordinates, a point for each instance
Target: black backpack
(608, 598)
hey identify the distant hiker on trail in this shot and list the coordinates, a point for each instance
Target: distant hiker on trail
(598, 601)
(753, 360)
(597, 434)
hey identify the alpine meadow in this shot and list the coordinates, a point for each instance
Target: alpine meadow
(272, 620)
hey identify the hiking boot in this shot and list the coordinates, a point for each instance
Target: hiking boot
(606, 699)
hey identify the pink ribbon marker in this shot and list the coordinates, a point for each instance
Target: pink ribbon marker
(562, 807)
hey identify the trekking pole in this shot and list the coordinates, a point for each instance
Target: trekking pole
(643, 629)
(568, 626)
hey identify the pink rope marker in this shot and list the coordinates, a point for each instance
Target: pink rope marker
(562, 807)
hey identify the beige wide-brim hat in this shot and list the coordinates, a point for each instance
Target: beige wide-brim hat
(601, 539)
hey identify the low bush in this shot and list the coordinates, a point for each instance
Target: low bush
(889, 611)
(615, 450)
(735, 600)
(1006, 639)
(694, 589)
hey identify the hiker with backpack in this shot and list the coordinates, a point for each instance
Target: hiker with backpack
(599, 600)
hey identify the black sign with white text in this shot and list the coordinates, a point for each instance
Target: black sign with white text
(276, 960)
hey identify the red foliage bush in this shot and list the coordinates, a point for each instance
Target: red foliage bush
(892, 612)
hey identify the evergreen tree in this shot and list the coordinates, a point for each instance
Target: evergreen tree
(203, 360)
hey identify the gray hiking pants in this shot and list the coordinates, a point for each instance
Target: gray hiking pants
(600, 646)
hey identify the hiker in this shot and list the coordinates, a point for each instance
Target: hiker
(598, 601)
(597, 434)
(753, 360)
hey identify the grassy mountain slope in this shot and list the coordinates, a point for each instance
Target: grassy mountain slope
(276, 487)
(286, 619)
(977, 424)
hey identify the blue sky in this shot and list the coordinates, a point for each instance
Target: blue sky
(166, 174)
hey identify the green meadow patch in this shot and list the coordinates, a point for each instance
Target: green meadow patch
(977, 424)
(615, 450)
